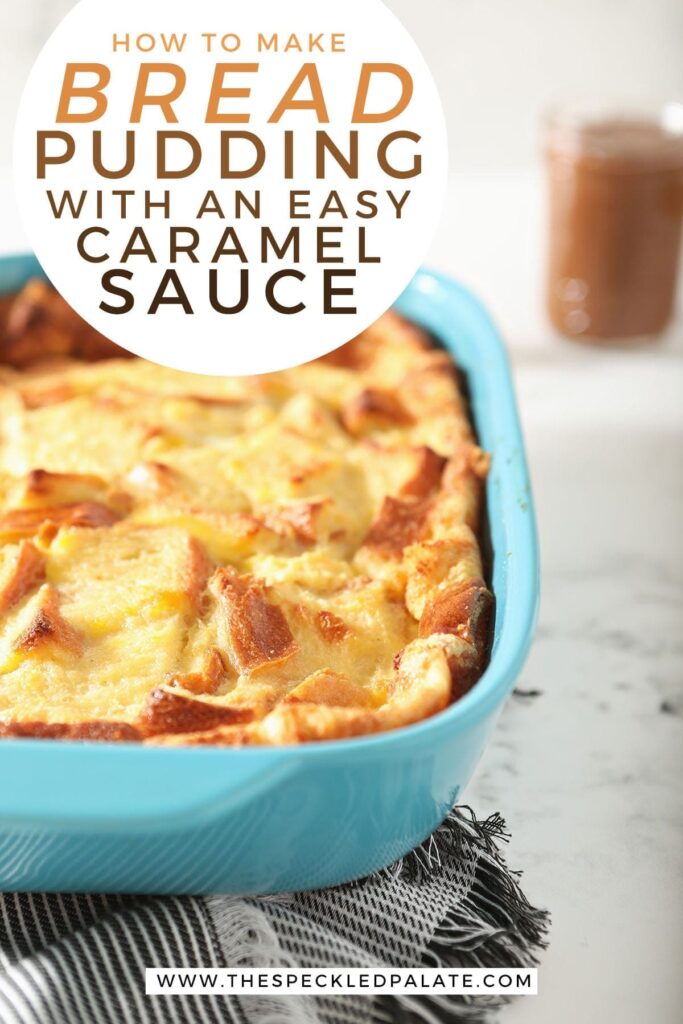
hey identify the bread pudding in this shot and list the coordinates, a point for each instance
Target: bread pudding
(209, 560)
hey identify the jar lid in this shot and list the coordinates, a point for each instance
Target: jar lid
(618, 139)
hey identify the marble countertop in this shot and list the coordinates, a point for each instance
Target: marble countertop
(588, 772)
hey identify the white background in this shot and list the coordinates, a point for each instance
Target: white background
(498, 62)
(588, 774)
(256, 338)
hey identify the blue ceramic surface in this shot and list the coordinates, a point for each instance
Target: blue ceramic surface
(108, 818)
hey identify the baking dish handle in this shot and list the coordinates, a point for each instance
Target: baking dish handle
(56, 784)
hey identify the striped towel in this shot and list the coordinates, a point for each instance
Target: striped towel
(80, 959)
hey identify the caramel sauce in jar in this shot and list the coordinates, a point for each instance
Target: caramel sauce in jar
(616, 209)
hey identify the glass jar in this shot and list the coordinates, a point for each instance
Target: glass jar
(616, 208)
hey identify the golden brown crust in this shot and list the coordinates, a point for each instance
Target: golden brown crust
(332, 627)
(24, 571)
(331, 689)
(466, 611)
(197, 573)
(41, 325)
(401, 521)
(207, 680)
(374, 409)
(258, 633)
(296, 519)
(46, 628)
(25, 522)
(167, 713)
(426, 478)
(104, 732)
(254, 561)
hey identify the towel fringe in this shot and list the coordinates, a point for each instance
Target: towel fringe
(493, 926)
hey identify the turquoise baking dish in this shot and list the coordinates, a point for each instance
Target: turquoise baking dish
(121, 818)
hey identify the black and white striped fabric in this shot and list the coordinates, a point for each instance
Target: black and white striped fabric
(67, 959)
